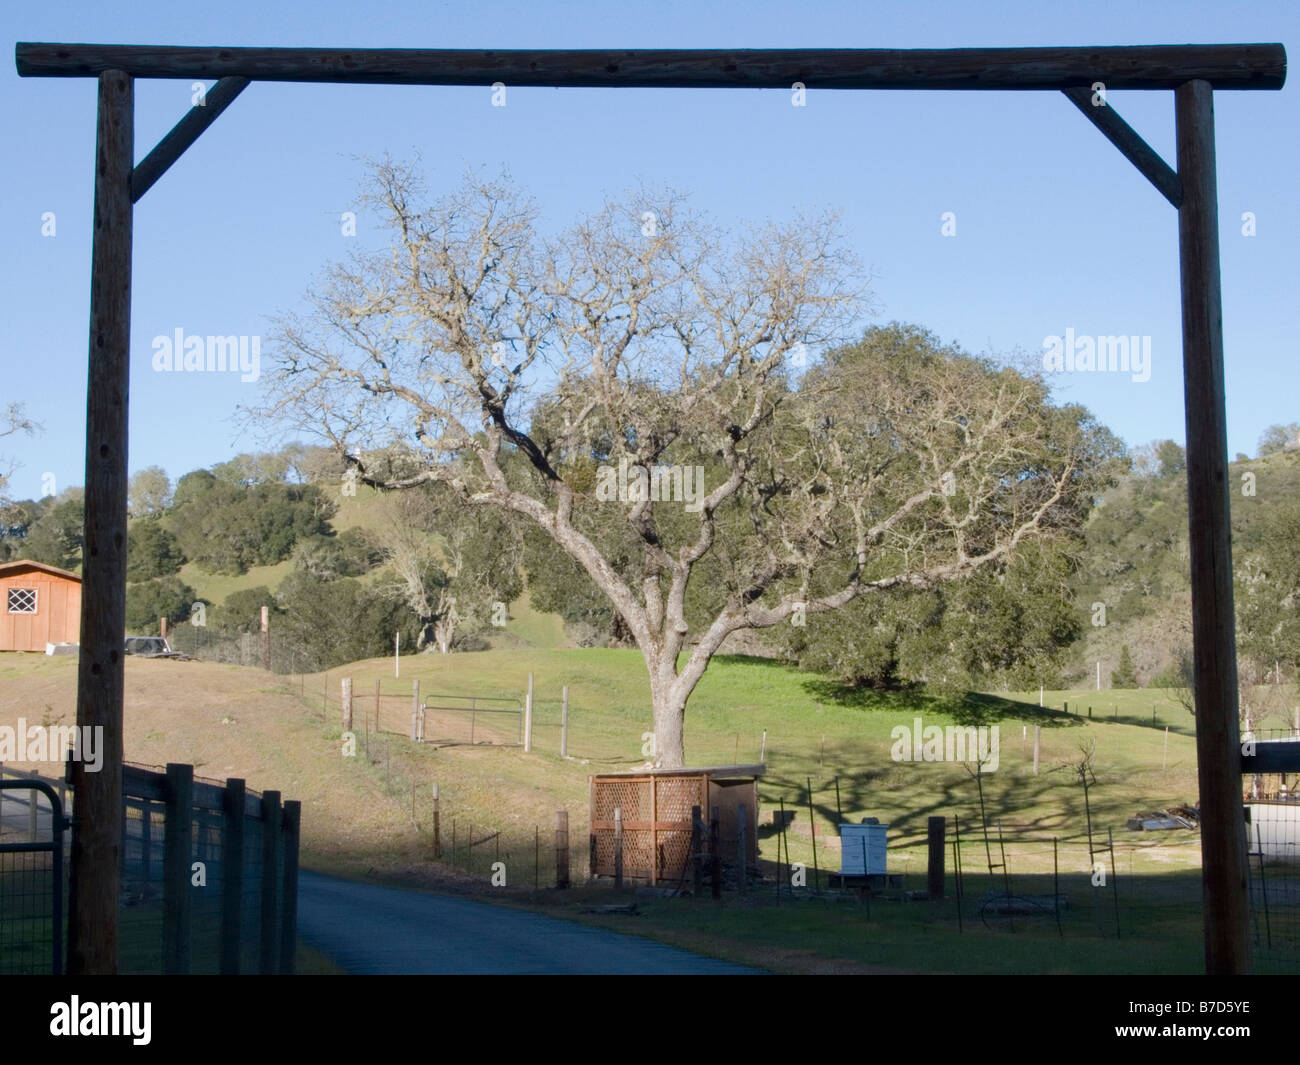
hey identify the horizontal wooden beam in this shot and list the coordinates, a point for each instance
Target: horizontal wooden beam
(1134, 148)
(1224, 66)
(183, 134)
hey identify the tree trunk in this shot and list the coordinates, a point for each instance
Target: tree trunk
(669, 715)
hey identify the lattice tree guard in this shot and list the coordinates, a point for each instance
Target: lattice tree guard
(655, 808)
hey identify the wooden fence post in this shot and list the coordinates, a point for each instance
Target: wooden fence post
(564, 724)
(266, 639)
(562, 848)
(715, 852)
(232, 874)
(347, 704)
(934, 873)
(528, 716)
(618, 848)
(146, 838)
(292, 819)
(697, 856)
(269, 945)
(177, 849)
(162, 626)
(415, 710)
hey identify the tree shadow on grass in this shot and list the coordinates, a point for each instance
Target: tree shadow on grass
(965, 708)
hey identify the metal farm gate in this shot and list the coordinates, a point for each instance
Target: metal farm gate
(32, 885)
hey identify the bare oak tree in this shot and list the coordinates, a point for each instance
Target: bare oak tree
(675, 408)
(13, 419)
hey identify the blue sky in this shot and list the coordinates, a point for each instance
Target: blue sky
(1054, 229)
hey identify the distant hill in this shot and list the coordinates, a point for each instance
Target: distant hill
(1137, 560)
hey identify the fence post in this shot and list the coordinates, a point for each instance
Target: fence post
(292, 819)
(162, 626)
(618, 848)
(697, 858)
(562, 848)
(934, 873)
(232, 874)
(415, 710)
(177, 848)
(268, 952)
(742, 855)
(437, 837)
(528, 716)
(715, 849)
(564, 724)
(1037, 730)
(146, 838)
(347, 704)
(266, 639)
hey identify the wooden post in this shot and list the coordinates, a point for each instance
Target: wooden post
(934, 872)
(415, 710)
(1218, 742)
(812, 828)
(347, 704)
(697, 857)
(564, 724)
(715, 853)
(437, 825)
(269, 940)
(654, 832)
(146, 839)
(1037, 731)
(561, 848)
(162, 627)
(232, 874)
(742, 855)
(266, 639)
(97, 843)
(292, 819)
(177, 848)
(528, 716)
(618, 848)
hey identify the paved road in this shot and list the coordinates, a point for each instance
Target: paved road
(371, 929)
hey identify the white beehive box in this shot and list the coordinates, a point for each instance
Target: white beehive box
(863, 850)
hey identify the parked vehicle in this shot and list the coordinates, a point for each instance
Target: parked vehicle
(149, 647)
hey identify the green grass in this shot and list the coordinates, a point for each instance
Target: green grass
(215, 587)
(836, 742)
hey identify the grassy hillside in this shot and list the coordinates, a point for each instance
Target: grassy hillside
(371, 815)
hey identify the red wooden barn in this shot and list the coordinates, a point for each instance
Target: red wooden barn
(39, 604)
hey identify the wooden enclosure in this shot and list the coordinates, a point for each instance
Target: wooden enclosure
(655, 812)
(39, 604)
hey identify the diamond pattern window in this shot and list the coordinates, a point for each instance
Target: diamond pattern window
(22, 600)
